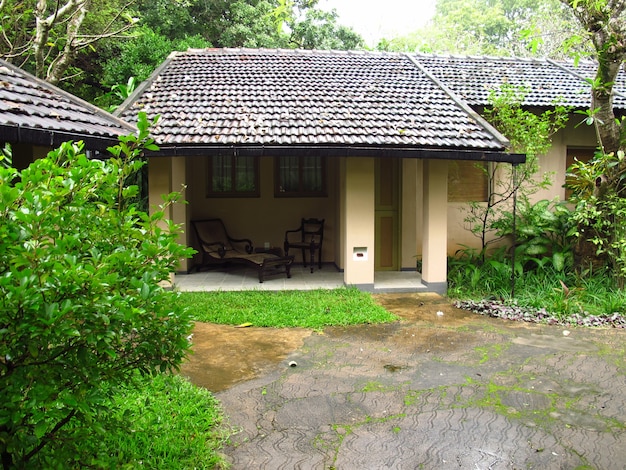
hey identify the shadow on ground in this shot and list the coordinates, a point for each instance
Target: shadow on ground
(440, 388)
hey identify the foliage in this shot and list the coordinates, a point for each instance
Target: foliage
(6, 156)
(544, 233)
(544, 241)
(250, 24)
(158, 422)
(598, 186)
(81, 306)
(601, 209)
(47, 36)
(491, 27)
(470, 272)
(139, 57)
(542, 295)
(319, 30)
(604, 23)
(528, 133)
(304, 309)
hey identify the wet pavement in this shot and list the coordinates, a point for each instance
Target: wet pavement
(441, 388)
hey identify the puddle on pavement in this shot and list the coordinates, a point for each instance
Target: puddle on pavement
(425, 307)
(225, 355)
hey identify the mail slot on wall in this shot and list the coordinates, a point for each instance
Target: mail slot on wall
(359, 253)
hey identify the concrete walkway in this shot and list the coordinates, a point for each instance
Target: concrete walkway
(237, 278)
(441, 389)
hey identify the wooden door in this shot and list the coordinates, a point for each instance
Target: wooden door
(386, 213)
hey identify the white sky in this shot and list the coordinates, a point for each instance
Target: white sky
(375, 19)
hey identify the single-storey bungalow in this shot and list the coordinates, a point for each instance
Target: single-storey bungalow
(263, 138)
(382, 146)
(36, 117)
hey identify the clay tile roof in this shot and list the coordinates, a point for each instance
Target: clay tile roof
(33, 111)
(547, 82)
(222, 97)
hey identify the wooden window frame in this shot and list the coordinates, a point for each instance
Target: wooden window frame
(279, 190)
(211, 193)
(459, 198)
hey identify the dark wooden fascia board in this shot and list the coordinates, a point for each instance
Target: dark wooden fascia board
(339, 151)
(51, 138)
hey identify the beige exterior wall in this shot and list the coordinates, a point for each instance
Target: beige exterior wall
(341, 242)
(553, 163)
(358, 222)
(166, 175)
(411, 204)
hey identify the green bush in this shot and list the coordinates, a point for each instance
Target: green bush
(81, 307)
(544, 234)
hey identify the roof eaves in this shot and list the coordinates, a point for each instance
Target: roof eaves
(338, 151)
(72, 98)
(462, 104)
(52, 138)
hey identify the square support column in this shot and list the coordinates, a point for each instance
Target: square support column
(359, 223)
(435, 241)
(166, 175)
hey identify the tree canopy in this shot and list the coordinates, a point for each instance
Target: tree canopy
(90, 46)
(492, 27)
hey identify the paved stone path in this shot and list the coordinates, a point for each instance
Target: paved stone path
(437, 392)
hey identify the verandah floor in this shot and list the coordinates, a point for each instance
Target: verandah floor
(236, 278)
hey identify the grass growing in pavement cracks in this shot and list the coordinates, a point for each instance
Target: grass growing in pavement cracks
(305, 309)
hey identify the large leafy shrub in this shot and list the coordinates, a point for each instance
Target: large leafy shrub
(544, 232)
(81, 305)
(599, 191)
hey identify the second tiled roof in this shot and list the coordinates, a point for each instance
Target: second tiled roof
(546, 82)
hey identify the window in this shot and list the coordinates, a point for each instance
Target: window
(300, 177)
(467, 181)
(233, 176)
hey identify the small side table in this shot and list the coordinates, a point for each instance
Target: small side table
(274, 250)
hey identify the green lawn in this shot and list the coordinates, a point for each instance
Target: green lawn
(283, 309)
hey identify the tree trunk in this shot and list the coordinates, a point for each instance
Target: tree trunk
(73, 12)
(604, 21)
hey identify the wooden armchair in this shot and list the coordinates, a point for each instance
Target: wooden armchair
(219, 248)
(308, 237)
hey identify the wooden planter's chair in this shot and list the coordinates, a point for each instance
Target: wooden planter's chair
(308, 237)
(218, 248)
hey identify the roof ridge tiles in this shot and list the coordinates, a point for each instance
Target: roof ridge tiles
(482, 57)
(267, 50)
